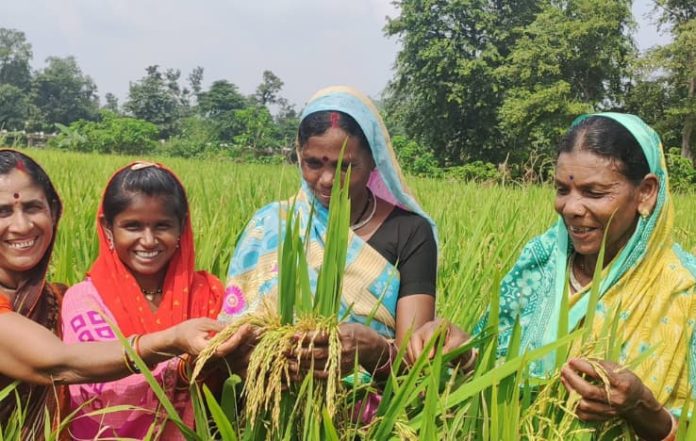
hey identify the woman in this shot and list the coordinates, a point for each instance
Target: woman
(29, 307)
(143, 281)
(392, 256)
(611, 177)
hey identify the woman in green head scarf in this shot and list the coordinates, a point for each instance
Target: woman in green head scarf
(611, 179)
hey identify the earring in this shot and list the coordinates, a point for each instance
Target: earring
(178, 239)
(644, 213)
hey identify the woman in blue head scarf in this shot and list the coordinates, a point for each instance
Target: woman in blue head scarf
(392, 252)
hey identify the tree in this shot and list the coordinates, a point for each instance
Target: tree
(63, 94)
(111, 103)
(218, 105)
(157, 98)
(15, 59)
(445, 93)
(256, 129)
(267, 92)
(14, 107)
(573, 58)
(15, 79)
(675, 64)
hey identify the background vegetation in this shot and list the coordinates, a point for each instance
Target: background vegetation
(482, 89)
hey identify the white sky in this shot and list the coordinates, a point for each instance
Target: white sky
(309, 44)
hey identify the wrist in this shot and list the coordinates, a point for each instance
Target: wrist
(374, 354)
(649, 419)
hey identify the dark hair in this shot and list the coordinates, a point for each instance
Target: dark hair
(29, 300)
(605, 137)
(317, 123)
(149, 180)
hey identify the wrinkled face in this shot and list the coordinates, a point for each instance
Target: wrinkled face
(319, 158)
(26, 224)
(589, 189)
(145, 235)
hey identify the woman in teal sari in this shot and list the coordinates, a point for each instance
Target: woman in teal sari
(610, 166)
(392, 253)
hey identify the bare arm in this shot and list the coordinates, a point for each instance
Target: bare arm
(33, 354)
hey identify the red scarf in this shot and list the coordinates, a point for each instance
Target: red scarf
(185, 294)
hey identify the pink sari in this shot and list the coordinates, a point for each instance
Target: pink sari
(84, 312)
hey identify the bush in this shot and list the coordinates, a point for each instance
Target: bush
(682, 175)
(197, 139)
(477, 171)
(111, 134)
(414, 158)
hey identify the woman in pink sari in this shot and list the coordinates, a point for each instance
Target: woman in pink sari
(143, 280)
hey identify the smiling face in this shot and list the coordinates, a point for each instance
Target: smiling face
(26, 225)
(319, 159)
(145, 236)
(589, 189)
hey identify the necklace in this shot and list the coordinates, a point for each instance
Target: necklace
(150, 295)
(361, 223)
(574, 282)
(7, 289)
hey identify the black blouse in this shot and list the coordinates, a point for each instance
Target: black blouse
(406, 240)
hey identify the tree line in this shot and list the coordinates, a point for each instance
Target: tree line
(481, 88)
(501, 80)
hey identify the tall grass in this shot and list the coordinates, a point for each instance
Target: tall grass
(482, 229)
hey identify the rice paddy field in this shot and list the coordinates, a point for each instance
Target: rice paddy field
(481, 230)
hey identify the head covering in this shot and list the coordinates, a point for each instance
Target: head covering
(371, 283)
(386, 180)
(650, 284)
(185, 293)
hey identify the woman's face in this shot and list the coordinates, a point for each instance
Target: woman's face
(26, 224)
(319, 159)
(145, 236)
(589, 189)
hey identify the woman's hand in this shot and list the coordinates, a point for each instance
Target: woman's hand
(454, 338)
(624, 396)
(356, 341)
(192, 336)
(237, 359)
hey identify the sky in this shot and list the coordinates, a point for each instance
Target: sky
(309, 44)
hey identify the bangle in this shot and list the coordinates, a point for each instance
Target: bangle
(672, 435)
(182, 369)
(385, 368)
(130, 364)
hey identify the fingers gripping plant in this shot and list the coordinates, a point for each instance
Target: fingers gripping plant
(270, 394)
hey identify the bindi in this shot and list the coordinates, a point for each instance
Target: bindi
(325, 159)
(571, 177)
(15, 195)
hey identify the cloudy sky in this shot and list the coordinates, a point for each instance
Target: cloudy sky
(307, 43)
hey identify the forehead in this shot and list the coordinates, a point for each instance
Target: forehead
(329, 145)
(18, 183)
(143, 206)
(584, 166)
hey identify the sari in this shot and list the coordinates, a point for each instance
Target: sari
(650, 285)
(39, 301)
(111, 295)
(371, 283)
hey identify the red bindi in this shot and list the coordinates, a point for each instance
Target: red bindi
(15, 195)
(325, 158)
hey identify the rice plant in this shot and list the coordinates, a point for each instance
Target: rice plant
(482, 229)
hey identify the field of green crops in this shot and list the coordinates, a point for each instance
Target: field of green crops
(481, 230)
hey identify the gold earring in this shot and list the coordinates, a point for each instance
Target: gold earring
(644, 213)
